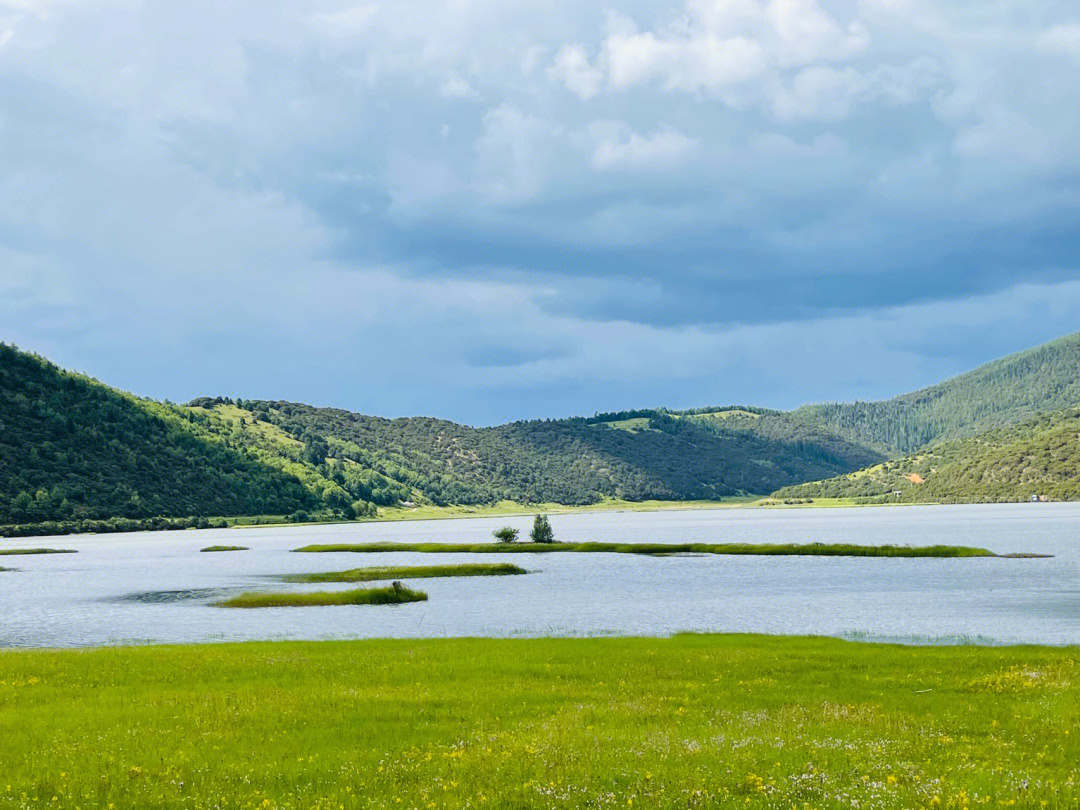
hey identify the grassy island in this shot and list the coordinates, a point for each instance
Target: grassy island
(19, 551)
(224, 548)
(659, 549)
(360, 596)
(409, 572)
(689, 721)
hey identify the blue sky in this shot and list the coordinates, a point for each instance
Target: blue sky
(488, 211)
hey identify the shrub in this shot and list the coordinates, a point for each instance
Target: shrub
(507, 534)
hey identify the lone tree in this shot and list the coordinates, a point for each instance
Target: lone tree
(541, 530)
(507, 534)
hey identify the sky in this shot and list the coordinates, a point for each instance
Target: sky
(490, 211)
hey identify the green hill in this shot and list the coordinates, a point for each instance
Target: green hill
(1037, 457)
(569, 461)
(1004, 392)
(74, 449)
(75, 452)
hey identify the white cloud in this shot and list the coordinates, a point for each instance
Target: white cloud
(1061, 39)
(514, 152)
(620, 148)
(821, 92)
(724, 42)
(274, 151)
(344, 23)
(456, 87)
(572, 68)
(689, 64)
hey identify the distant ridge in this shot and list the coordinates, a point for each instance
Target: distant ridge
(1002, 392)
(74, 451)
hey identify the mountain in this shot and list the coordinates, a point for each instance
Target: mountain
(1003, 392)
(1038, 457)
(74, 451)
(570, 461)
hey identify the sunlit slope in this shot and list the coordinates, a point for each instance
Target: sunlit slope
(570, 461)
(1038, 457)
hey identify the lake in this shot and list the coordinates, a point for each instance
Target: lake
(157, 587)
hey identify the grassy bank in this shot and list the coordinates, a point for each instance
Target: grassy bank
(223, 548)
(692, 721)
(409, 572)
(764, 549)
(513, 508)
(426, 512)
(359, 596)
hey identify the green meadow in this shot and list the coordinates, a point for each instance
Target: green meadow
(688, 721)
(659, 549)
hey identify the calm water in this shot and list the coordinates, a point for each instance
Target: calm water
(140, 587)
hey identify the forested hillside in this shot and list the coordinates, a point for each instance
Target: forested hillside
(1003, 392)
(1038, 457)
(571, 461)
(73, 449)
(76, 452)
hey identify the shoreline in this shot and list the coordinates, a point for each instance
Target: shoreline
(506, 509)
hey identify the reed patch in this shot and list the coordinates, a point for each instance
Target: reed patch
(659, 549)
(390, 595)
(409, 572)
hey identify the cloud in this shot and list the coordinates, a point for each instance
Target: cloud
(545, 210)
(620, 148)
(347, 22)
(513, 152)
(1061, 39)
(722, 43)
(571, 67)
(690, 64)
(456, 87)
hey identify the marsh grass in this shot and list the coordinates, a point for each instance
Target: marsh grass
(409, 572)
(683, 722)
(224, 548)
(663, 549)
(17, 551)
(389, 595)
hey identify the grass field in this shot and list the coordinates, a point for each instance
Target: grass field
(661, 549)
(409, 572)
(357, 596)
(691, 721)
(515, 509)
